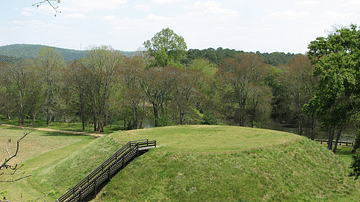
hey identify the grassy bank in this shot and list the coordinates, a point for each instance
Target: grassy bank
(229, 164)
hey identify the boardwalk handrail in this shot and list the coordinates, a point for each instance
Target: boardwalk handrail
(105, 170)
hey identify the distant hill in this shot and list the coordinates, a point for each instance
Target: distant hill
(30, 51)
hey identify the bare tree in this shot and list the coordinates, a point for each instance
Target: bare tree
(13, 168)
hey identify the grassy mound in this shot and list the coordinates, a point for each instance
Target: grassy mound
(62, 175)
(267, 166)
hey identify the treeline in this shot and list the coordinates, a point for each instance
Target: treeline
(217, 55)
(212, 87)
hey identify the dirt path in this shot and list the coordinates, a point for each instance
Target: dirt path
(54, 130)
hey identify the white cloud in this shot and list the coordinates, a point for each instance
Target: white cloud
(121, 28)
(26, 13)
(290, 15)
(352, 4)
(306, 3)
(143, 7)
(109, 18)
(213, 7)
(164, 1)
(338, 16)
(94, 4)
(157, 18)
(76, 16)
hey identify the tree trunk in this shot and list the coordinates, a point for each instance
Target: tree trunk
(331, 137)
(337, 140)
(48, 117)
(156, 115)
(33, 119)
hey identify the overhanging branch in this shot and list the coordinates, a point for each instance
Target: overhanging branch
(49, 2)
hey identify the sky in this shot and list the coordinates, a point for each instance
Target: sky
(256, 25)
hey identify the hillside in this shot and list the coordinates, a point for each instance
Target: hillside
(30, 51)
(229, 164)
(209, 163)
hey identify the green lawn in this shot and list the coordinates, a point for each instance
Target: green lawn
(38, 149)
(207, 139)
(59, 125)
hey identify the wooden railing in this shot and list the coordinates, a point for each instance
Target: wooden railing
(339, 142)
(105, 171)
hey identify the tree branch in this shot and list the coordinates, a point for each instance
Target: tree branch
(16, 179)
(49, 2)
(4, 165)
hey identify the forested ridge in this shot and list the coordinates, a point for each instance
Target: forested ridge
(17, 51)
(170, 85)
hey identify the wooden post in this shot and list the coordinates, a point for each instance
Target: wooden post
(95, 186)
(80, 194)
(109, 173)
(137, 149)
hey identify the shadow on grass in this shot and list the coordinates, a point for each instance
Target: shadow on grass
(344, 150)
(49, 133)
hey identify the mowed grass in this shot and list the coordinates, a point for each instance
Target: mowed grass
(224, 163)
(37, 150)
(60, 125)
(207, 139)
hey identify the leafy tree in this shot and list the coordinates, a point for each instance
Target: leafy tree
(102, 69)
(131, 98)
(16, 78)
(244, 93)
(337, 65)
(167, 48)
(185, 92)
(155, 84)
(300, 84)
(51, 65)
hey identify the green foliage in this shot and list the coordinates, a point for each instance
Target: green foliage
(216, 56)
(355, 165)
(209, 118)
(337, 66)
(167, 48)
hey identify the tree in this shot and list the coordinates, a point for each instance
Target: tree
(336, 60)
(184, 92)
(167, 48)
(102, 69)
(131, 97)
(244, 92)
(51, 64)
(155, 84)
(300, 84)
(16, 78)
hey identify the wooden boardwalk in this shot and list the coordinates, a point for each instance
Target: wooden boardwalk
(92, 183)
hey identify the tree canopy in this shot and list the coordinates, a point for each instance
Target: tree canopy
(336, 60)
(167, 48)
